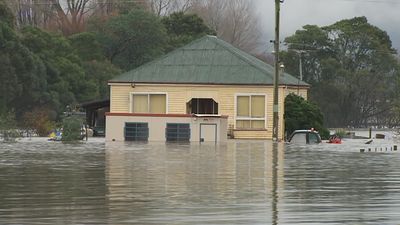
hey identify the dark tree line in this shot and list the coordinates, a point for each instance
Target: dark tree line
(55, 53)
(353, 71)
(42, 72)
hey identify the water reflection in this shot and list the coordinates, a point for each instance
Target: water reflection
(252, 183)
(344, 187)
(241, 182)
(195, 184)
(51, 183)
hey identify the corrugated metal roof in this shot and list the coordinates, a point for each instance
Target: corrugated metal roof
(207, 60)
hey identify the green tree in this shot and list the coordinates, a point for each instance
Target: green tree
(183, 28)
(39, 120)
(6, 15)
(22, 83)
(99, 73)
(302, 114)
(65, 76)
(8, 124)
(98, 70)
(132, 39)
(351, 67)
(72, 129)
(87, 47)
(41, 70)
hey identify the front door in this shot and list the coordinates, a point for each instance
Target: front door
(208, 132)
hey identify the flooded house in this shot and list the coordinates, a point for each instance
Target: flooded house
(95, 115)
(204, 91)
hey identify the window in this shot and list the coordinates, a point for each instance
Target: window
(149, 103)
(136, 132)
(202, 106)
(179, 132)
(250, 112)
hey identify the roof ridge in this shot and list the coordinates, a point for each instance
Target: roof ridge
(243, 55)
(158, 59)
(188, 62)
(234, 50)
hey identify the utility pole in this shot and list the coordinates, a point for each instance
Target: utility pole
(276, 77)
(300, 71)
(301, 66)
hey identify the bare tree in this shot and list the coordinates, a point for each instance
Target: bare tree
(166, 7)
(71, 15)
(36, 13)
(235, 21)
(68, 16)
(212, 12)
(108, 8)
(160, 7)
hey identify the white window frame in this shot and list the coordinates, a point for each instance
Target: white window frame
(148, 99)
(236, 117)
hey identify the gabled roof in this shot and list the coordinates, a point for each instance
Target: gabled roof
(207, 60)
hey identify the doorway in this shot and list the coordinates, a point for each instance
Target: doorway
(208, 132)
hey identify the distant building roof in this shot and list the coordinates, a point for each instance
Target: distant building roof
(207, 60)
(95, 104)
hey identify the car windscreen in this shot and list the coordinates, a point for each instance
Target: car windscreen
(313, 138)
(299, 138)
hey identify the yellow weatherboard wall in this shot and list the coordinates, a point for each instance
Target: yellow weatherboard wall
(224, 95)
(210, 68)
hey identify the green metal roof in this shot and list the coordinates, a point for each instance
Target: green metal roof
(207, 60)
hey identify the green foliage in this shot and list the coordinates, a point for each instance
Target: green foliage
(301, 114)
(21, 72)
(87, 47)
(39, 120)
(351, 68)
(183, 28)
(8, 126)
(66, 78)
(72, 126)
(132, 39)
(99, 73)
(98, 70)
(43, 72)
(6, 15)
(40, 70)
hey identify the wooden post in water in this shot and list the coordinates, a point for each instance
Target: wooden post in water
(86, 132)
(370, 133)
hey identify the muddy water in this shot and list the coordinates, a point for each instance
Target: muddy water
(239, 182)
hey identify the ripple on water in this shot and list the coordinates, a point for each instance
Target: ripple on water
(240, 182)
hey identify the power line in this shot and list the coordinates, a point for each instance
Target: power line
(141, 1)
(366, 1)
(372, 1)
(88, 3)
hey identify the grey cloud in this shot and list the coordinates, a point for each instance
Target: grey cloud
(297, 13)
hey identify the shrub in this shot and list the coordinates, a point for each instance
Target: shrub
(72, 129)
(8, 127)
(39, 120)
(302, 114)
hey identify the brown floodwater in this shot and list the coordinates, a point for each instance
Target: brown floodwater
(240, 182)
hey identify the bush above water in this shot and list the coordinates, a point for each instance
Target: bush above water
(72, 129)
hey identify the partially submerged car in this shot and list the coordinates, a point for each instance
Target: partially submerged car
(305, 137)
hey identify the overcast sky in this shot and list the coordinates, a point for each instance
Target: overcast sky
(384, 14)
